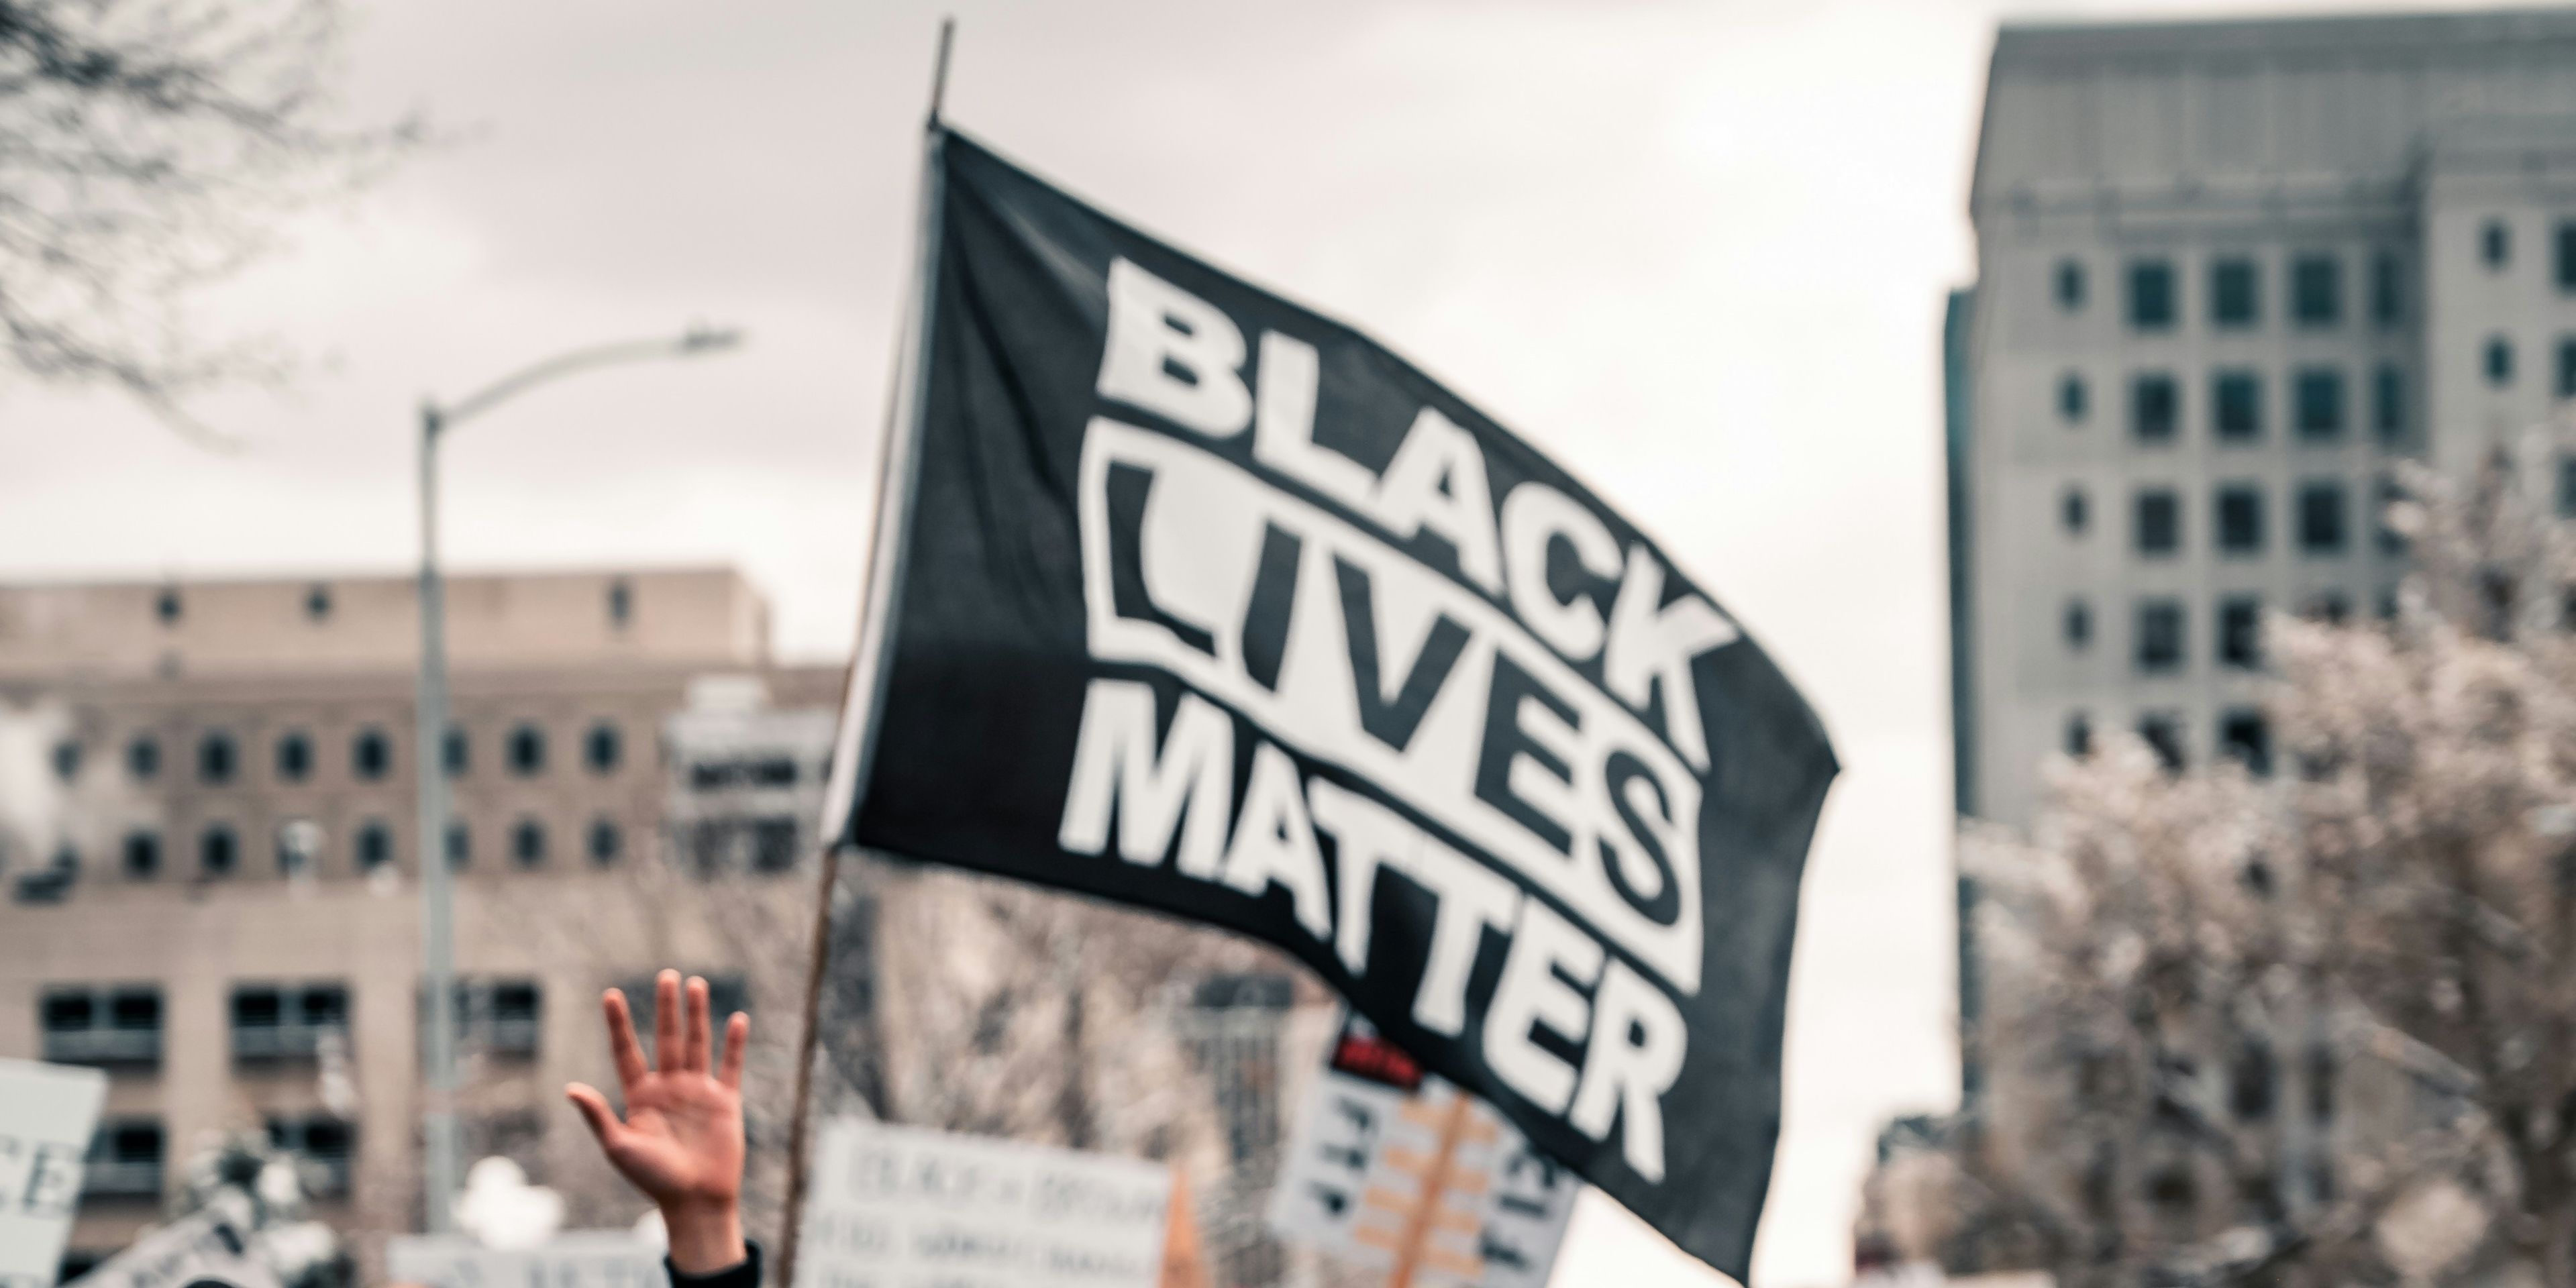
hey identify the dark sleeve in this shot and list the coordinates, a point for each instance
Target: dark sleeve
(742, 1274)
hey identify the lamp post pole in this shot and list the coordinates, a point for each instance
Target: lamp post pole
(442, 1162)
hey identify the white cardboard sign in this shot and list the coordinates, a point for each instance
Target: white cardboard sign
(573, 1259)
(1359, 1175)
(47, 1112)
(899, 1207)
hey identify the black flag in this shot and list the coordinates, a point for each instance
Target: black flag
(1190, 598)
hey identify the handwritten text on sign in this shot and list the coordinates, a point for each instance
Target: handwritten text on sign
(899, 1207)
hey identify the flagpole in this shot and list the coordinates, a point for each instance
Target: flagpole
(895, 485)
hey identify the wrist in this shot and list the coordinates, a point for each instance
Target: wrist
(706, 1236)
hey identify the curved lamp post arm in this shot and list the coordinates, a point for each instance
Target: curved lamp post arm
(694, 341)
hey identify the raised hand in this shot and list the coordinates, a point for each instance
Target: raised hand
(681, 1142)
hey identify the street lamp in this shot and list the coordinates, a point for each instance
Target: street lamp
(437, 888)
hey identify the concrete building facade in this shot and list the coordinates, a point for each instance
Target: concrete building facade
(208, 889)
(2229, 273)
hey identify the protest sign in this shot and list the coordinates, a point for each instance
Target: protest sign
(900, 1207)
(572, 1259)
(47, 1112)
(1390, 1166)
(1188, 597)
(213, 1247)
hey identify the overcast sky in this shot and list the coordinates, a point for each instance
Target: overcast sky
(1696, 251)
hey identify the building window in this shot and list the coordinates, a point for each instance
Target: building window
(497, 1016)
(2316, 290)
(2072, 512)
(2235, 297)
(216, 758)
(460, 847)
(2071, 402)
(2079, 735)
(2499, 361)
(142, 855)
(2240, 632)
(299, 845)
(2070, 285)
(286, 1021)
(455, 752)
(2391, 541)
(324, 1142)
(371, 754)
(604, 843)
(67, 760)
(2244, 738)
(2154, 410)
(294, 758)
(603, 748)
(2078, 625)
(2321, 517)
(2566, 385)
(621, 604)
(2151, 295)
(2495, 244)
(125, 1158)
(317, 602)
(2387, 289)
(2253, 1079)
(168, 607)
(527, 750)
(2160, 632)
(2236, 406)
(119, 1025)
(375, 846)
(2240, 519)
(218, 851)
(2320, 404)
(2162, 731)
(143, 759)
(2388, 403)
(528, 843)
(2159, 521)
(2331, 607)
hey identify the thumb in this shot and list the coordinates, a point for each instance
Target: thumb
(595, 1111)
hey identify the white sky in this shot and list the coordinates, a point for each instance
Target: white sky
(1696, 251)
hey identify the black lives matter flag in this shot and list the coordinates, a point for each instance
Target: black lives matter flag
(1187, 597)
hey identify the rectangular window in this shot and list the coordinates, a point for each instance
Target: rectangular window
(2391, 541)
(2567, 366)
(2154, 414)
(2316, 290)
(2070, 285)
(109, 1025)
(2079, 735)
(2234, 293)
(2163, 733)
(2160, 635)
(2319, 400)
(2071, 401)
(125, 1158)
(286, 1022)
(2321, 517)
(2151, 295)
(2388, 403)
(2387, 289)
(2567, 487)
(2159, 521)
(497, 1017)
(2078, 625)
(2240, 632)
(2566, 266)
(322, 1141)
(2499, 361)
(2495, 244)
(2244, 738)
(2240, 519)
(2236, 405)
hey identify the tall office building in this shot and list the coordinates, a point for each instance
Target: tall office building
(2228, 273)
(207, 872)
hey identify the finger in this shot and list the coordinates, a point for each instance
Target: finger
(737, 1036)
(621, 1040)
(699, 1038)
(666, 1021)
(595, 1111)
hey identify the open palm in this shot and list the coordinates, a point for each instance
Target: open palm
(681, 1142)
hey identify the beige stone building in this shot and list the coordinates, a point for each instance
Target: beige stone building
(207, 877)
